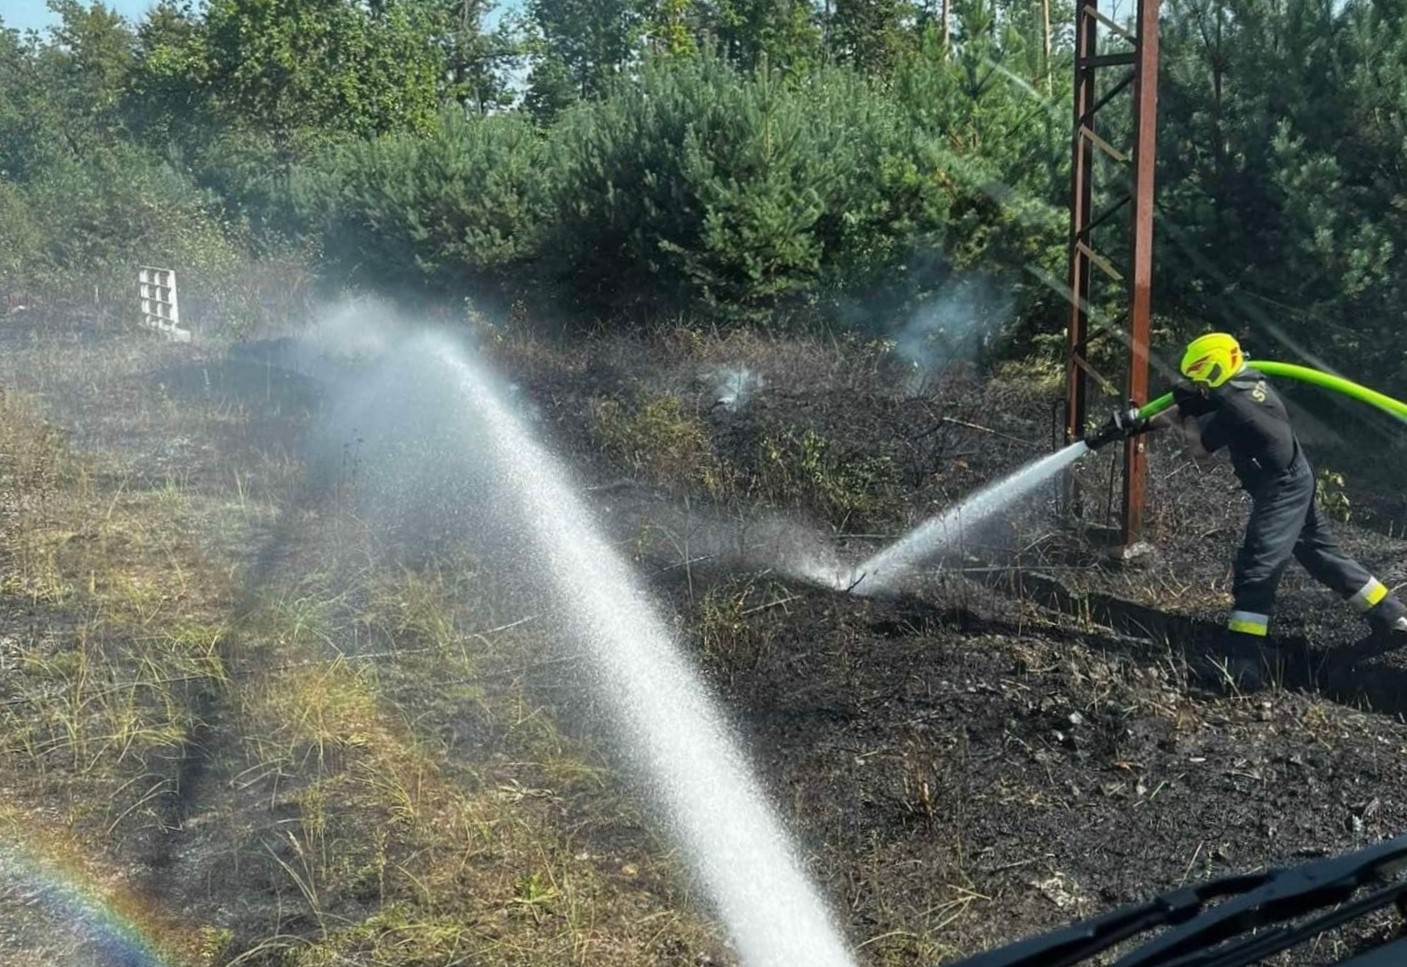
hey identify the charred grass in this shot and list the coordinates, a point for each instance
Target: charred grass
(272, 740)
(269, 736)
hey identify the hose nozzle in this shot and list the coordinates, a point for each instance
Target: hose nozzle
(1123, 424)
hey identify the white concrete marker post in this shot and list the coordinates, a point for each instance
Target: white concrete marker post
(160, 310)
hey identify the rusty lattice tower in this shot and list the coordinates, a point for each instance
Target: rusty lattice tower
(1128, 67)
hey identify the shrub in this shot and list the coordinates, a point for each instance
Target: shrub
(749, 192)
(460, 204)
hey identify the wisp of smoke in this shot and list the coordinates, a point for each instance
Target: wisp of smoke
(954, 326)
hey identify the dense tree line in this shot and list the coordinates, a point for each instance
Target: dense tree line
(754, 160)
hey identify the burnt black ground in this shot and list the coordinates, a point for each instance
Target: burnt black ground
(1044, 762)
(991, 754)
(944, 762)
(994, 755)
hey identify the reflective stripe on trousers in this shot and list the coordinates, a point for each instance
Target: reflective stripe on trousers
(1249, 623)
(1370, 596)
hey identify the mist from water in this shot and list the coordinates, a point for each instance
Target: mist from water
(941, 534)
(682, 535)
(733, 386)
(442, 451)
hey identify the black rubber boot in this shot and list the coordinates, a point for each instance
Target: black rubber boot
(1388, 620)
(1238, 665)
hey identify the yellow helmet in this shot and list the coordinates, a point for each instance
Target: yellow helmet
(1213, 359)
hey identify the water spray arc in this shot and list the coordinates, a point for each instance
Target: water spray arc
(467, 435)
(932, 538)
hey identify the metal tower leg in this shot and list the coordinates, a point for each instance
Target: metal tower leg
(1134, 64)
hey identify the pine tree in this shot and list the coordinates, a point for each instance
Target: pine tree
(451, 206)
(551, 89)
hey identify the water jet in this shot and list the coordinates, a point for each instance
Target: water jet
(438, 430)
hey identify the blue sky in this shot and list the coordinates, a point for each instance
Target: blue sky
(27, 14)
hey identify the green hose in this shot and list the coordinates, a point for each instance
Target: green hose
(1304, 374)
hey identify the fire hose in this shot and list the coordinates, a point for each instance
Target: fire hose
(1126, 422)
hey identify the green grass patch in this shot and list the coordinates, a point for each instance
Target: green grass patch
(843, 489)
(661, 442)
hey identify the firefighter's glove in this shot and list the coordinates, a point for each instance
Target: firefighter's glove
(1190, 400)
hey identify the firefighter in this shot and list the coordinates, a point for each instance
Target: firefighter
(1227, 404)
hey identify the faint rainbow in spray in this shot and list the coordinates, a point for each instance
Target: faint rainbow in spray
(98, 924)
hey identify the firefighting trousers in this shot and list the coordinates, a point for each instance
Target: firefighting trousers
(1286, 522)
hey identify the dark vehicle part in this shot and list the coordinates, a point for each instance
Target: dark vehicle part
(1250, 924)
